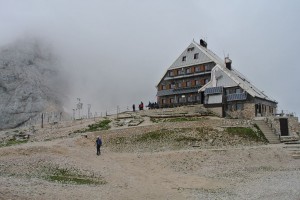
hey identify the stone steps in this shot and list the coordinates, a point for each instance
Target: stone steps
(296, 156)
(271, 137)
(294, 149)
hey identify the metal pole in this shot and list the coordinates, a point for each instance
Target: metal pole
(117, 112)
(89, 110)
(42, 121)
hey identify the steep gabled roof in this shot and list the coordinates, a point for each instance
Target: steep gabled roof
(189, 52)
(205, 56)
(210, 54)
(239, 80)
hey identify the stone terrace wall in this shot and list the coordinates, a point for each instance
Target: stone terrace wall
(237, 122)
(294, 126)
(217, 111)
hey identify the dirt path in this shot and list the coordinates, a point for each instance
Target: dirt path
(231, 173)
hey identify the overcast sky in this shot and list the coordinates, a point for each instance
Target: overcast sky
(115, 52)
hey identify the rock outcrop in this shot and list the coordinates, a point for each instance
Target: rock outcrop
(30, 82)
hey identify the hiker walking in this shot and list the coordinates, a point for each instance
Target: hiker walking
(98, 144)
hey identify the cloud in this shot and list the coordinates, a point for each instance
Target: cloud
(115, 52)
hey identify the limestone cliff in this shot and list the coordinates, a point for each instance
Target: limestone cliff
(30, 82)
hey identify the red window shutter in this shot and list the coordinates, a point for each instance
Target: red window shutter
(202, 68)
(202, 81)
(175, 72)
(192, 69)
(193, 82)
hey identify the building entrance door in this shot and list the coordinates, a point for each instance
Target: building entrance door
(284, 127)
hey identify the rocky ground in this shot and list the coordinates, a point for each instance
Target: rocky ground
(166, 159)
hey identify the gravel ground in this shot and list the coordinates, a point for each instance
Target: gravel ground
(224, 170)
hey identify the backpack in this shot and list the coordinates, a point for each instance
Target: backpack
(99, 142)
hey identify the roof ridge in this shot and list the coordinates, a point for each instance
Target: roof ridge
(243, 83)
(210, 54)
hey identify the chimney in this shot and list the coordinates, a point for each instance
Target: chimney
(228, 63)
(203, 43)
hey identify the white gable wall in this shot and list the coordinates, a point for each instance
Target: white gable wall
(222, 79)
(203, 58)
(219, 78)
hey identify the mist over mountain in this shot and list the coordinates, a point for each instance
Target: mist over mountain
(30, 82)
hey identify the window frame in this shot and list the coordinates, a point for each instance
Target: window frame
(188, 84)
(188, 70)
(196, 56)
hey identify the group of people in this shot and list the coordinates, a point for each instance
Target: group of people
(153, 105)
(141, 106)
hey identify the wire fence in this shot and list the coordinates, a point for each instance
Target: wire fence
(52, 118)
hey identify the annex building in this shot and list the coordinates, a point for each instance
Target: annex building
(200, 76)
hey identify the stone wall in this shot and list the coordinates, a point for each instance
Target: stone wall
(248, 112)
(294, 126)
(218, 111)
(237, 122)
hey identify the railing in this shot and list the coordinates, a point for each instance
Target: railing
(176, 91)
(176, 104)
(187, 75)
(272, 127)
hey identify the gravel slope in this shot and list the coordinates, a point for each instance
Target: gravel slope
(250, 171)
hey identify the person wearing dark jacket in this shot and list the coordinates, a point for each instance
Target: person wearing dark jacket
(98, 145)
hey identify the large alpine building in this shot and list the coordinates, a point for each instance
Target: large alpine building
(200, 76)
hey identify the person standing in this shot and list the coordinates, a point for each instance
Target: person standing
(98, 145)
(133, 108)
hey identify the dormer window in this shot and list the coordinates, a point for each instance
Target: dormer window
(184, 58)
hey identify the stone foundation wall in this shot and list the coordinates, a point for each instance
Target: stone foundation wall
(248, 112)
(218, 111)
(237, 122)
